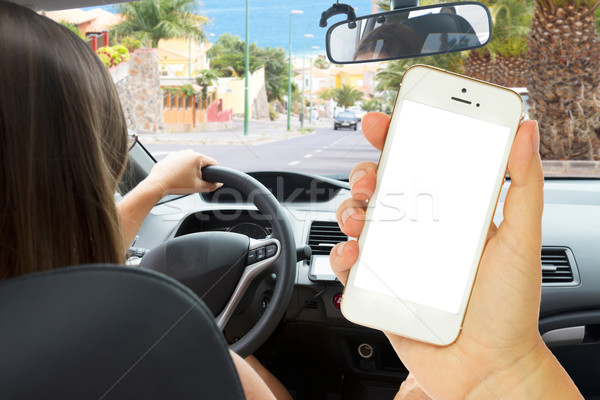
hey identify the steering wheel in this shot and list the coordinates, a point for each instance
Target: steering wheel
(220, 266)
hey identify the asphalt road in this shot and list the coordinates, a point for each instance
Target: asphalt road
(325, 151)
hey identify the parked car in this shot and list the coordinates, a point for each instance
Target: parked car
(345, 119)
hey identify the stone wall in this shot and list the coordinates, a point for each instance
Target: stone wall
(120, 75)
(260, 105)
(146, 96)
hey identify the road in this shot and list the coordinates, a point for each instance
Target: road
(325, 151)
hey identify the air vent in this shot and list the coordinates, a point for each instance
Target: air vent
(311, 304)
(323, 236)
(556, 266)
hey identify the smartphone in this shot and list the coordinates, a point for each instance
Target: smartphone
(439, 178)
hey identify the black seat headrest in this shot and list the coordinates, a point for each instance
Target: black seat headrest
(436, 23)
(109, 332)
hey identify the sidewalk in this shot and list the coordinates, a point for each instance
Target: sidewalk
(259, 131)
(575, 168)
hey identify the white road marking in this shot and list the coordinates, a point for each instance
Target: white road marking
(325, 147)
(308, 156)
(318, 150)
(294, 163)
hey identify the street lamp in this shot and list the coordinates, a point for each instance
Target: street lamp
(308, 35)
(310, 90)
(246, 73)
(289, 105)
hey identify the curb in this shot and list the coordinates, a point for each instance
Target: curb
(211, 141)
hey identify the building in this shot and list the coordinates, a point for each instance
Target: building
(181, 58)
(359, 76)
(88, 22)
(232, 90)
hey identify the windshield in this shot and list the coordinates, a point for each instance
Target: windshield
(188, 90)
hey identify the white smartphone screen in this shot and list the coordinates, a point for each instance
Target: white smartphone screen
(431, 206)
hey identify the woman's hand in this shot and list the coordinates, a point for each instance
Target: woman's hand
(499, 352)
(180, 173)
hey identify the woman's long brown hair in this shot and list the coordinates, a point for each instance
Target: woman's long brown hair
(63, 145)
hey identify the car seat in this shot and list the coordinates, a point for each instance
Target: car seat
(109, 332)
(436, 23)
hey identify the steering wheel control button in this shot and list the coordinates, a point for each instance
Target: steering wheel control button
(271, 250)
(260, 253)
(337, 301)
(251, 257)
(264, 303)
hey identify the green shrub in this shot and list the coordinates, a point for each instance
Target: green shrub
(131, 43)
(184, 90)
(73, 28)
(122, 51)
(273, 115)
(106, 60)
(113, 55)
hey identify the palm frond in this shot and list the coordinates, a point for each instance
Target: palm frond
(160, 19)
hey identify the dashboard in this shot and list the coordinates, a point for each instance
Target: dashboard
(236, 221)
(315, 333)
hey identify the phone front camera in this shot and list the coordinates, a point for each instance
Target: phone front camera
(477, 104)
(464, 90)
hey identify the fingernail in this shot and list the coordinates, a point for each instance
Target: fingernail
(348, 212)
(219, 185)
(535, 140)
(356, 176)
(340, 249)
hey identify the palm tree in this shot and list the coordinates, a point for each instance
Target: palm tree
(479, 64)
(346, 96)
(391, 76)
(206, 78)
(384, 5)
(325, 94)
(153, 20)
(371, 105)
(564, 77)
(388, 99)
(511, 19)
(503, 60)
(321, 63)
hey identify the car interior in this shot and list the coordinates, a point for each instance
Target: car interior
(256, 253)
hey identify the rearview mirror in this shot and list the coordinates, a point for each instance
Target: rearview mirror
(411, 32)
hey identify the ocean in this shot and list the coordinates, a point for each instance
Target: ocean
(270, 21)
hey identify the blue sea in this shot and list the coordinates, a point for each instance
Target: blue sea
(270, 21)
